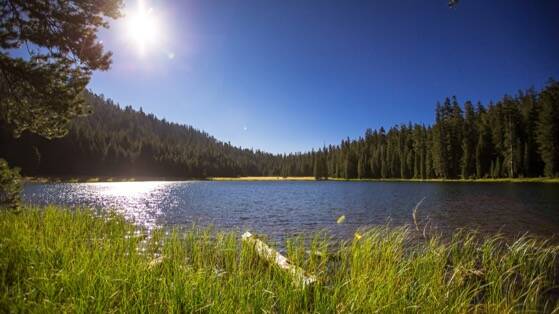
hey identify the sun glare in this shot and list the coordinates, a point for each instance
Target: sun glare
(143, 27)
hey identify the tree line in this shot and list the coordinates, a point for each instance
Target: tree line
(514, 137)
(517, 136)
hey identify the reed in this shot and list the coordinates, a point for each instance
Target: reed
(59, 260)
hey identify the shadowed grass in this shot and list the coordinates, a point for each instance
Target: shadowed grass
(54, 260)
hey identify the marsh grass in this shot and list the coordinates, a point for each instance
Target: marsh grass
(55, 260)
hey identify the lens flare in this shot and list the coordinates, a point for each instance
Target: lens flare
(143, 28)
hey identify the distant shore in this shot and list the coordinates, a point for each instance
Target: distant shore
(485, 180)
(267, 178)
(99, 179)
(276, 178)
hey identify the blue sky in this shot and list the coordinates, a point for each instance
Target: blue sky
(285, 76)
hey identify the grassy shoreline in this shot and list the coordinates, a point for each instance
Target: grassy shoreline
(485, 180)
(56, 260)
(272, 178)
(87, 179)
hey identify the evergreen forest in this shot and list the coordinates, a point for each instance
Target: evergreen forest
(516, 136)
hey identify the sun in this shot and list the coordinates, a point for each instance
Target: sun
(143, 28)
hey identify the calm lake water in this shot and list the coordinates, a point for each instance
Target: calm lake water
(285, 208)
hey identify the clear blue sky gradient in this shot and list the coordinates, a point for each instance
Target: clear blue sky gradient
(286, 76)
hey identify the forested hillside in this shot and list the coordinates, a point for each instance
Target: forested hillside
(514, 137)
(115, 141)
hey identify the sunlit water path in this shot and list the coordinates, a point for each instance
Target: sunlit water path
(281, 209)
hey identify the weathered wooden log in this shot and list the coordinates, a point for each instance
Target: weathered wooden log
(300, 277)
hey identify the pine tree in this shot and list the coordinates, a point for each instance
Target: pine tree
(455, 139)
(320, 168)
(497, 169)
(384, 164)
(468, 161)
(349, 167)
(530, 107)
(483, 146)
(511, 147)
(429, 154)
(361, 166)
(548, 129)
(42, 92)
(439, 142)
(316, 167)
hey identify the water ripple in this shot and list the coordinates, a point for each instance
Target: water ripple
(281, 209)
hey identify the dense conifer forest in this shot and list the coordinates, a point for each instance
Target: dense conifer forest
(517, 136)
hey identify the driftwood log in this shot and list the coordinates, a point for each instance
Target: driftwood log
(300, 277)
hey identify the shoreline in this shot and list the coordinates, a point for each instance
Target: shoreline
(58, 260)
(86, 179)
(485, 180)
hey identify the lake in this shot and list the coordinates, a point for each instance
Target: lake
(285, 208)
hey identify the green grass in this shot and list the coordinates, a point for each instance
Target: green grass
(53, 260)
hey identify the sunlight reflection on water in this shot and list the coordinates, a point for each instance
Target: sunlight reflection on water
(138, 201)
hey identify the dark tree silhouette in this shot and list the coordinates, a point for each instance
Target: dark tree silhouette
(42, 91)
